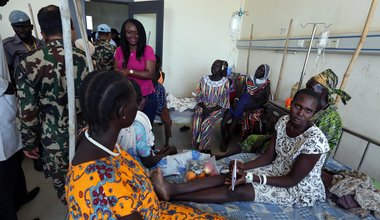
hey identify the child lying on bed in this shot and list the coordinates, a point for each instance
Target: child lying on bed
(289, 172)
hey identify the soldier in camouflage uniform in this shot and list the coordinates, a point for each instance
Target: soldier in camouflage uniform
(104, 51)
(42, 96)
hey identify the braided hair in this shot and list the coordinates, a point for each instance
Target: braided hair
(102, 93)
(140, 44)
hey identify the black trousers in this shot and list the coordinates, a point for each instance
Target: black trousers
(12, 186)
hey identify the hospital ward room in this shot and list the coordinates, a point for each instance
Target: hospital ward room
(190, 109)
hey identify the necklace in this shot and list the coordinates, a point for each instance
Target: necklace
(101, 146)
(34, 45)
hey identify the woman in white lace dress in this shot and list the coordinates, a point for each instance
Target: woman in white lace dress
(288, 173)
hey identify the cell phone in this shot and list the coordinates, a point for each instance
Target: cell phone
(234, 173)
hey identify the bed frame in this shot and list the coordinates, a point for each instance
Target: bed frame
(362, 157)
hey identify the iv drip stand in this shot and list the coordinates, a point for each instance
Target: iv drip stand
(315, 25)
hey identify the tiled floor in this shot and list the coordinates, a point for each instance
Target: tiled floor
(46, 205)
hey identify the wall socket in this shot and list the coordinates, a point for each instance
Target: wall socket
(333, 43)
(300, 43)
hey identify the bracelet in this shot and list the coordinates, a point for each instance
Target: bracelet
(264, 179)
(249, 177)
(260, 179)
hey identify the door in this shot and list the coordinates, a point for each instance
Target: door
(151, 15)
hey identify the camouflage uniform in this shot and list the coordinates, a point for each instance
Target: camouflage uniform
(15, 49)
(43, 111)
(103, 55)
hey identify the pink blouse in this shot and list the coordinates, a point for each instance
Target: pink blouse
(146, 85)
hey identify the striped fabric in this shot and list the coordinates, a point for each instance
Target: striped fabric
(211, 93)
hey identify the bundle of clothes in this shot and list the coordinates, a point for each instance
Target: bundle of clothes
(355, 191)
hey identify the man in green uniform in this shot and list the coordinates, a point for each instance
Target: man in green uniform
(104, 51)
(17, 46)
(42, 95)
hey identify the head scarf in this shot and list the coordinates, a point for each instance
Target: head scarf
(329, 80)
(262, 80)
(254, 84)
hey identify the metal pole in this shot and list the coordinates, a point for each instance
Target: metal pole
(82, 29)
(33, 22)
(307, 56)
(66, 30)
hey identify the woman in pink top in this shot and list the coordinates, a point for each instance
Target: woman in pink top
(136, 60)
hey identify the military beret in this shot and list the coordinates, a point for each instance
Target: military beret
(17, 16)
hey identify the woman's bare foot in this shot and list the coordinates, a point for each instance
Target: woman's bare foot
(160, 185)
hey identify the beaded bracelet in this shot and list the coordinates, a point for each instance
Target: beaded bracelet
(261, 181)
(264, 180)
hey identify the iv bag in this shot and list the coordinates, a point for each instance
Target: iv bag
(322, 43)
(235, 25)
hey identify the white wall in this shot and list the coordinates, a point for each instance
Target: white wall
(196, 32)
(6, 28)
(346, 16)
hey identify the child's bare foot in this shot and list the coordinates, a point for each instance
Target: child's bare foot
(160, 185)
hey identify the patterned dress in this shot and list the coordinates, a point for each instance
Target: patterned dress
(137, 139)
(113, 187)
(330, 123)
(212, 94)
(309, 189)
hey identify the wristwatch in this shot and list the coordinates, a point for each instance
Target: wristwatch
(131, 71)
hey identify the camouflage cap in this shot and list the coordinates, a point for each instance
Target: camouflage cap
(17, 16)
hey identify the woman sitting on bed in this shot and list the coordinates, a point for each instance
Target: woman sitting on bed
(213, 99)
(103, 181)
(327, 117)
(289, 172)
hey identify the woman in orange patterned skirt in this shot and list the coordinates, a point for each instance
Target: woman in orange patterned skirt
(103, 181)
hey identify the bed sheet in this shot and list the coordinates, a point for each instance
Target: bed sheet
(254, 210)
(185, 117)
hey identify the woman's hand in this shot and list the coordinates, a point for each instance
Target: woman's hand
(239, 166)
(240, 179)
(170, 150)
(235, 103)
(205, 112)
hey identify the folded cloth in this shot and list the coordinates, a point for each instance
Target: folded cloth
(180, 104)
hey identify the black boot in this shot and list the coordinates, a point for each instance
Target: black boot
(38, 165)
(29, 197)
